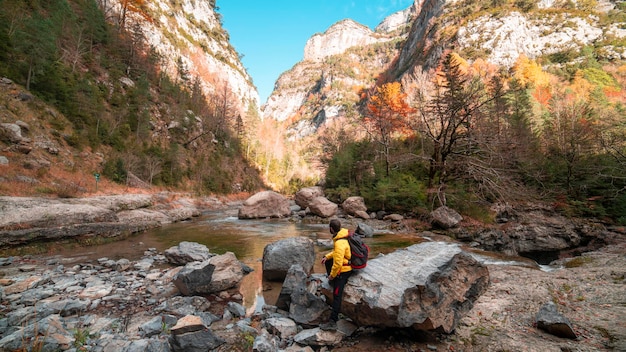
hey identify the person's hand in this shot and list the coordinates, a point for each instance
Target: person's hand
(323, 260)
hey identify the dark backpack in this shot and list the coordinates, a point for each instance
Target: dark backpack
(360, 251)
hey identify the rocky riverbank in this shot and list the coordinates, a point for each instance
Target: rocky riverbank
(25, 220)
(128, 305)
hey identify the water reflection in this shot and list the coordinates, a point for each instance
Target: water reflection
(247, 239)
(222, 231)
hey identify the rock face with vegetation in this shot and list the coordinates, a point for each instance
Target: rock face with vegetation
(337, 39)
(140, 92)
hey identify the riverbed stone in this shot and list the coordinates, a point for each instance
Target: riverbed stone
(95, 292)
(266, 204)
(281, 327)
(296, 278)
(186, 252)
(318, 337)
(190, 335)
(279, 256)
(323, 207)
(549, 319)
(307, 307)
(364, 230)
(353, 205)
(445, 218)
(216, 274)
(305, 195)
(264, 342)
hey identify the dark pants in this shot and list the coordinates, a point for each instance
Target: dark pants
(338, 283)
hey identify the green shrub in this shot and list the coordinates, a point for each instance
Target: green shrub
(114, 169)
(616, 208)
(398, 192)
(599, 77)
(339, 194)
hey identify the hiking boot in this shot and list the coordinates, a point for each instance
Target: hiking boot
(329, 326)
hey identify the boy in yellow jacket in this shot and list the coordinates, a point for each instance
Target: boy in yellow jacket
(338, 269)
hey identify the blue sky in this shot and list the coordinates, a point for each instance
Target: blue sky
(271, 34)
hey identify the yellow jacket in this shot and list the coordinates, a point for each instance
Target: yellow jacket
(340, 255)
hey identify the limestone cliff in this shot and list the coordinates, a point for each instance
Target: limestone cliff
(501, 35)
(337, 66)
(189, 33)
(349, 58)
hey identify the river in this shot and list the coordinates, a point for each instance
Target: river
(221, 231)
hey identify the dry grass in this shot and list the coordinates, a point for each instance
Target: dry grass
(55, 181)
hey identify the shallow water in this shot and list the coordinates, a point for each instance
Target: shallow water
(221, 231)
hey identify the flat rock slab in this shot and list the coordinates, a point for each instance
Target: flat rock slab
(426, 286)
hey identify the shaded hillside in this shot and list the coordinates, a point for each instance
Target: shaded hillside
(93, 96)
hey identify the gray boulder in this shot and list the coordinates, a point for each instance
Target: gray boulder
(11, 132)
(427, 286)
(187, 252)
(549, 319)
(266, 204)
(364, 230)
(322, 207)
(353, 205)
(281, 327)
(318, 337)
(279, 256)
(304, 196)
(306, 307)
(445, 218)
(216, 274)
(191, 335)
(296, 277)
(265, 342)
(298, 296)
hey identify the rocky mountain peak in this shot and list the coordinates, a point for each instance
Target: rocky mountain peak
(337, 39)
(398, 19)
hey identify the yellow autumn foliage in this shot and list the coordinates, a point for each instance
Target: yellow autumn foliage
(529, 71)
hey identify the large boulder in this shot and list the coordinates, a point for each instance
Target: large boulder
(322, 207)
(279, 256)
(445, 218)
(354, 205)
(191, 335)
(298, 297)
(305, 195)
(427, 286)
(187, 252)
(364, 230)
(537, 232)
(216, 274)
(266, 204)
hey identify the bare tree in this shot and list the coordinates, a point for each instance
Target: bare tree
(154, 166)
(447, 119)
(224, 110)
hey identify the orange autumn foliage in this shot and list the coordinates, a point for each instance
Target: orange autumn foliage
(389, 103)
